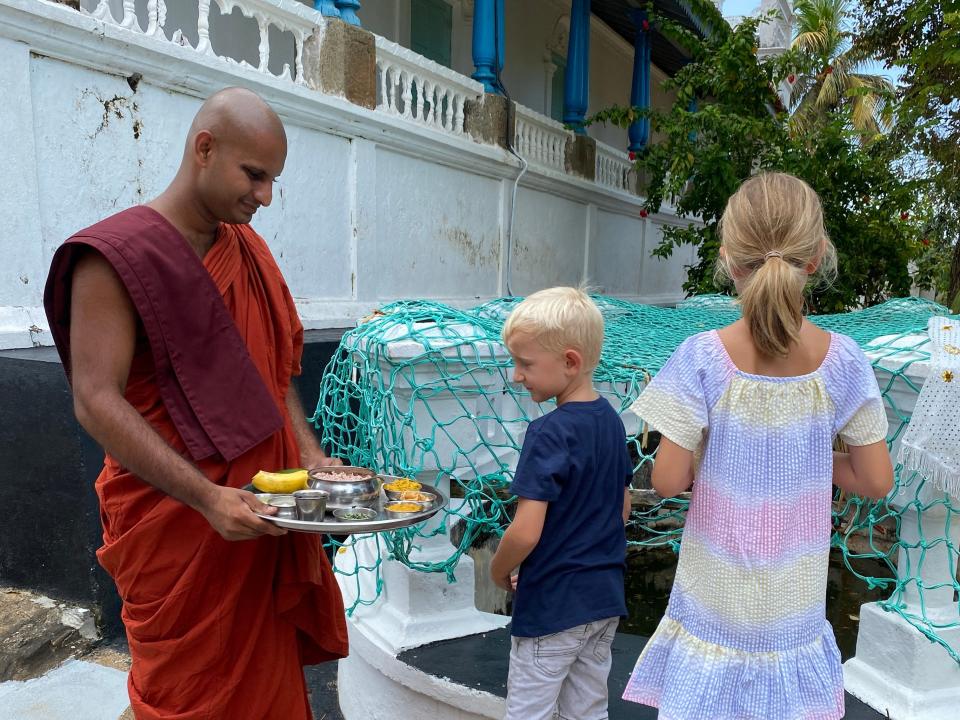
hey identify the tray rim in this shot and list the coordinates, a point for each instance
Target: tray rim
(338, 527)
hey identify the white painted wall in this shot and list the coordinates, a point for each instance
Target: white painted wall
(370, 207)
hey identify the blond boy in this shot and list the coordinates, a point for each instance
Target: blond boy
(568, 533)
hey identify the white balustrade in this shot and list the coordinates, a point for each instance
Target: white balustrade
(541, 140)
(420, 90)
(284, 15)
(614, 168)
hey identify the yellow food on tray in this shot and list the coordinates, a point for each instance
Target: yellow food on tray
(404, 507)
(402, 484)
(282, 482)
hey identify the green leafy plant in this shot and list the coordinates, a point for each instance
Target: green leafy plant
(740, 126)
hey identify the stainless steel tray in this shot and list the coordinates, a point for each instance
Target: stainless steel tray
(382, 522)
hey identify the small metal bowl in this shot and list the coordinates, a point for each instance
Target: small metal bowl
(286, 506)
(361, 486)
(398, 494)
(388, 509)
(427, 499)
(311, 504)
(367, 513)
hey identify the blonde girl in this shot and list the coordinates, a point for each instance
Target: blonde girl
(748, 416)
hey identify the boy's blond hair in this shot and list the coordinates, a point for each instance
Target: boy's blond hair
(560, 318)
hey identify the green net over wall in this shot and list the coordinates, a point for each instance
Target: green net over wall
(424, 390)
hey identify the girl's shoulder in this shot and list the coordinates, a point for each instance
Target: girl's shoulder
(843, 352)
(703, 346)
(846, 371)
(700, 361)
(701, 353)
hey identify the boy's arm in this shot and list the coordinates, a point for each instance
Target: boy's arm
(518, 541)
(627, 505)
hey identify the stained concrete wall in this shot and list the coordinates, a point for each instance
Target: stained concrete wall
(368, 205)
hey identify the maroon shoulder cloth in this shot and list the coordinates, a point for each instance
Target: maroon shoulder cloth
(200, 358)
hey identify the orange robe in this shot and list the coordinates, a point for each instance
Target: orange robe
(221, 630)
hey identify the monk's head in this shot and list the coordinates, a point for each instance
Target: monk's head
(235, 151)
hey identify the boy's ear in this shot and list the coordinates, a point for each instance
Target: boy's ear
(573, 359)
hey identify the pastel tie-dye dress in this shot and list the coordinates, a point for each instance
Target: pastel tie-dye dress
(745, 634)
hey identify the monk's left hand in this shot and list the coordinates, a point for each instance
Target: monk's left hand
(318, 458)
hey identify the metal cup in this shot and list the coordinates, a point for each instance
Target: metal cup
(285, 505)
(311, 504)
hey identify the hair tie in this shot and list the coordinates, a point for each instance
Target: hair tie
(773, 253)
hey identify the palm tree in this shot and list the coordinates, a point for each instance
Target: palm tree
(837, 78)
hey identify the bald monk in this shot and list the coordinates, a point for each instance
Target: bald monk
(180, 337)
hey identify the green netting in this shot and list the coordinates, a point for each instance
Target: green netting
(424, 390)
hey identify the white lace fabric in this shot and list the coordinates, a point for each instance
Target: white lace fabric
(931, 443)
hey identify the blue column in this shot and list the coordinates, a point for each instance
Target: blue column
(692, 107)
(488, 42)
(576, 87)
(348, 11)
(639, 132)
(327, 8)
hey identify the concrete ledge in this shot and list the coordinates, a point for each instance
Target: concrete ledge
(899, 671)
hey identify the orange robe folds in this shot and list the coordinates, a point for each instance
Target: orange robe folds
(220, 630)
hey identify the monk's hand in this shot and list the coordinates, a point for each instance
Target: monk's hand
(233, 514)
(318, 458)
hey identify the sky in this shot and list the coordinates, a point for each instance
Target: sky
(746, 7)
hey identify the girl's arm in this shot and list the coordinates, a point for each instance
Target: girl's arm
(864, 470)
(518, 541)
(673, 469)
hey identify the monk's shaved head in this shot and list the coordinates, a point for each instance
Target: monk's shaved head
(235, 115)
(235, 151)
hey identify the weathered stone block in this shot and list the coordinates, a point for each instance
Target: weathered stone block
(342, 60)
(581, 158)
(486, 120)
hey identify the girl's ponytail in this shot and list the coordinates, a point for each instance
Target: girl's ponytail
(772, 300)
(772, 239)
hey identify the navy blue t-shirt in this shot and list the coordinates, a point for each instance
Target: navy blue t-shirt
(576, 459)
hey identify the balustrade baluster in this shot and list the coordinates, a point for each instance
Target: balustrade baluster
(299, 38)
(458, 102)
(392, 103)
(417, 84)
(407, 96)
(203, 28)
(264, 47)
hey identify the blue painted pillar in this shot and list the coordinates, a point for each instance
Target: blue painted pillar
(576, 82)
(327, 8)
(348, 11)
(488, 43)
(692, 107)
(639, 132)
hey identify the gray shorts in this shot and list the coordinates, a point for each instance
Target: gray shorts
(563, 675)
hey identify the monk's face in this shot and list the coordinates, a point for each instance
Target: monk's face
(236, 175)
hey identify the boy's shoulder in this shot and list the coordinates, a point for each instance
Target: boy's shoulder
(567, 423)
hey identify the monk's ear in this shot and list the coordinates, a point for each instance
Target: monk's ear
(203, 147)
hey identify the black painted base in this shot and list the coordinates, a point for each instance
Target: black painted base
(48, 464)
(486, 659)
